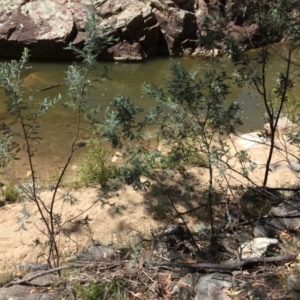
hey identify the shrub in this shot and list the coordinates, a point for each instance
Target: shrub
(96, 166)
(11, 193)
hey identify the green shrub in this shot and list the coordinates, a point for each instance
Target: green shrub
(97, 166)
(11, 193)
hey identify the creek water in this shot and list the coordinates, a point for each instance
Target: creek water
(58, 126)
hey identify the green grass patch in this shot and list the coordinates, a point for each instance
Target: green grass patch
(114, 290)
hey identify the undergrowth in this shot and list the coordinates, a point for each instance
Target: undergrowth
(111, 290)
(96, 166)
(11, 193)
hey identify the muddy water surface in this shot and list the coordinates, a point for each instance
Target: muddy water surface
(58, 126)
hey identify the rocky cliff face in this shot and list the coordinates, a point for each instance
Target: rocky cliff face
(142, 28)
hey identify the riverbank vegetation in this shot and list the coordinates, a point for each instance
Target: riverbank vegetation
(190, 166)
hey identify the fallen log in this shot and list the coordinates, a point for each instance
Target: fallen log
(57, 269)
(227, 266)
(198, 266)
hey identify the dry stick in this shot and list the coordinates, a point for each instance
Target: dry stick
(27, 280)
(57, 269)
(52, 86)
(228, 266)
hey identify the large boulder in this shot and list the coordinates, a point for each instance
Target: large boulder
(135, 25)
(177, 26)
(45, 27)
(140, 28)
(127, 51)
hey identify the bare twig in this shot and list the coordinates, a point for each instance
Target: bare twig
(52, 86)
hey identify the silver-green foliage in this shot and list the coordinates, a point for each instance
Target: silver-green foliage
(26, 112)
(190, 116)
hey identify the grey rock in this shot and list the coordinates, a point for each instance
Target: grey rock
(256, 248)
(141, 27)
(241, 33)
(295, 166)
(267, 227)
(44, 280)
(289, 210)
(135, 25)
(210, 287)
(127, 51)
(97, 253)
(57, 20)
(30, 267)
(46, 25)
(293, 283)
(176, 26)
(284, 216)
(185, 286)
(19, 292)
(38, 267)
(14, 291)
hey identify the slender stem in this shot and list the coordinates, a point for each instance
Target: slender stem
(58, 183)
(273, 124)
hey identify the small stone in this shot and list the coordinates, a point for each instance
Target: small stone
(175, 290)
(44, 280)
(295, 166)
(116, 157)
(97, 253)
(293, 283)
(257, 247)
(81, 144)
